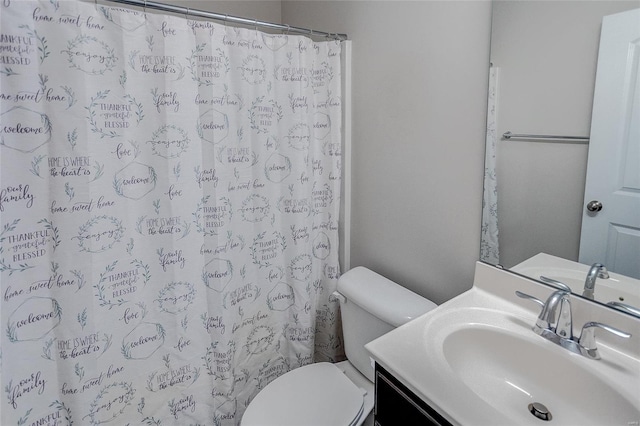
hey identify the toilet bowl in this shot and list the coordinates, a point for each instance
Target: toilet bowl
(340, 394)
(319, 394)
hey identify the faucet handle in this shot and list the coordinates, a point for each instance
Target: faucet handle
(624, 307)
(555, 283)
(588, 338)
(529, 297)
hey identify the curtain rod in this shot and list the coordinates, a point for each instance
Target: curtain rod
(227, 18)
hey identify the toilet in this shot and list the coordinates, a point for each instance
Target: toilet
(326, 394)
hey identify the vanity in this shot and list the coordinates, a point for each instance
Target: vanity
(476, 360)
(394, 401)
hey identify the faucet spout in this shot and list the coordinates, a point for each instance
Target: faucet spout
(556, 315)
(596, 270)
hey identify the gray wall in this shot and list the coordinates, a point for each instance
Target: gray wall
(420, 73)
(546, 53)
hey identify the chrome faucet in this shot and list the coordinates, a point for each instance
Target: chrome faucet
(556, 325)
(597, 270)
(554, 322)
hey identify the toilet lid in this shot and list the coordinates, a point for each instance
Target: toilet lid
(316, 394)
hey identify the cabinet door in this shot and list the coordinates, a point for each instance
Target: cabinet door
(397, 405)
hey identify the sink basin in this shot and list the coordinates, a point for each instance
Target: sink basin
(510, 371)
(476, 360)
(495, 356)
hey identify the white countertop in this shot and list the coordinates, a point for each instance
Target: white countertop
(412, 352)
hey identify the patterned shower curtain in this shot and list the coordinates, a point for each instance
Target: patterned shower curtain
(489, 243)
(169, 213)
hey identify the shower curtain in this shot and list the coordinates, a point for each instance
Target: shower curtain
(489, 243)
(169, 212)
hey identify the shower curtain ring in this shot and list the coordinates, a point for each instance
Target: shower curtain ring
(187, 13)
(226, 16)
(288, 29)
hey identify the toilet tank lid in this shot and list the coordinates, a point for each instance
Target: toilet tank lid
(382, 297)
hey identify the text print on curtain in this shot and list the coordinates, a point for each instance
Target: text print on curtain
(169, 213)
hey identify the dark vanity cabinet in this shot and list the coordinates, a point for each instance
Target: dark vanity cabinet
(396, 405)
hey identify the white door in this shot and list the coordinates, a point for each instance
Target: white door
(612, 235)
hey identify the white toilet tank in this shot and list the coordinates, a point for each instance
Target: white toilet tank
(372, 306)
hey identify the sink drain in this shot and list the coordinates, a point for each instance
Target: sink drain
(540, 411)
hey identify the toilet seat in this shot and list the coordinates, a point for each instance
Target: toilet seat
(314, 395)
